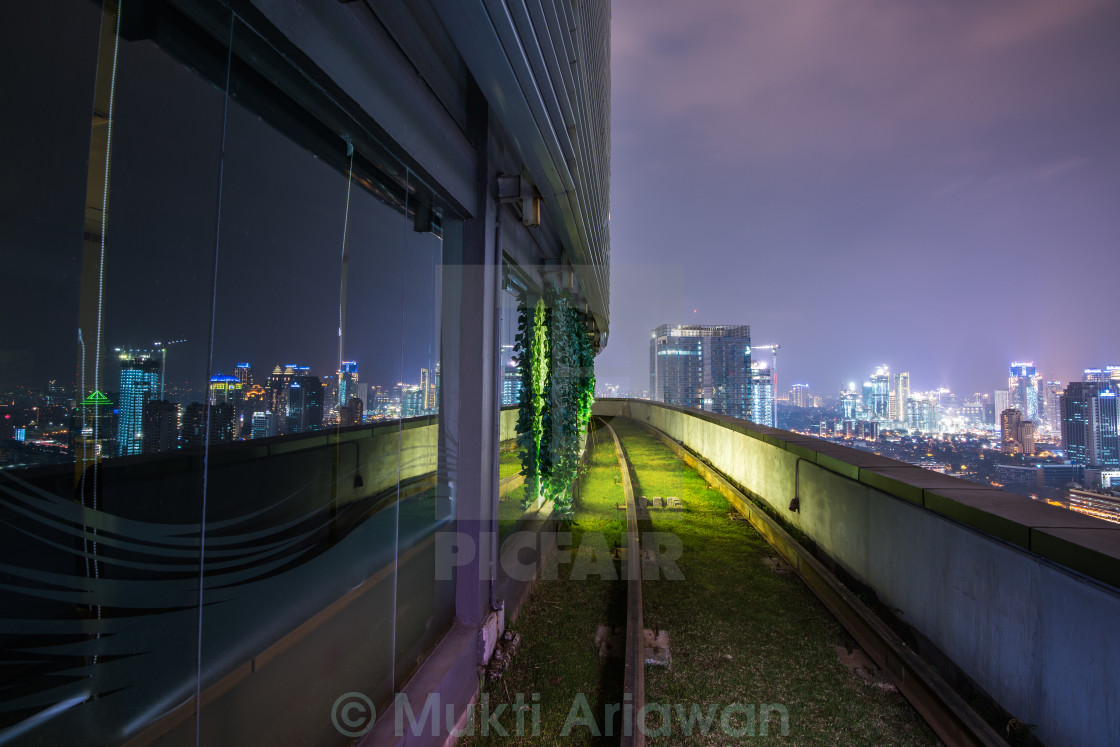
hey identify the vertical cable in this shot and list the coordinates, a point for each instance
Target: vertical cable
(101, 273)
(105, 209)
(341, 399)
(85, 449)
(210, 367)
(345, 261)
(400, 439)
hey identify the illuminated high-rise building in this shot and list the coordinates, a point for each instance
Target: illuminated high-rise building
(900, 395)
(1051, 406)
(434, 403)
(225, 390)
(877, 393)
(429, 390)
(305, 404)
(849, 403)
(762, 394)
(141, 372)
(1016, 434)
(1022, 389)
(1001, 400)
(261, 425)
(245, 375)
(279, 382)
(799, 396)
(511, 378)
(350, 413)
(93, 428)
(229, 390)
(412, 401)
(702, 366)
(347, 383)
(1095, 375)
(922, 414)
(1090, 424)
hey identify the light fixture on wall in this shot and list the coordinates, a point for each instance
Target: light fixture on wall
(514, 189)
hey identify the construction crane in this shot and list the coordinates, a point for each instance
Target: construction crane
(773, 377)
(161, 347)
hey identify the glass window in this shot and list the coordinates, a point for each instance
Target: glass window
(225, 374)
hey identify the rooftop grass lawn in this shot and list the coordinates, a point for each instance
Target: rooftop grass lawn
(741, 633)
(509, 464)
(558, 658)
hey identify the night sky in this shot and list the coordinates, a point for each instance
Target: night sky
(930, 185)
(933, 185)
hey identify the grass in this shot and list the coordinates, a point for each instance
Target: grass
(509, 464)
(558, 659)
(740, 633)
(510, 512)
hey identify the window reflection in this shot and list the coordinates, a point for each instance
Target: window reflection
(253, 400)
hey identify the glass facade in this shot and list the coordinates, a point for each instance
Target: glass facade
(762, 394)
(1090, 424)
(1023, 386)
(214, 216)
(706, 367)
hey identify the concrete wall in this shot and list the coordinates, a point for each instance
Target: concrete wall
(1022, 596)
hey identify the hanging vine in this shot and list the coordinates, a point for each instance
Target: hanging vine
(531, 350)
(556, 363)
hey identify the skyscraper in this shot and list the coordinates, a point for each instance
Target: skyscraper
(305, 404)
(261, 425)
(194, 424)
(511, 379)
(160, 426)
(1016, 434)
(429, 389)
(1001, 400)
(279, 395)
(921, 414)
(1095, 375)
(93, 431)
(1090, 424)
(762, 394)
(433, 404)
(702, 366)
(139, 382)
(799, 396)
(900, 395)
(225, 389)
(347, 383)
(1051, 411)
(1022, 389)
(878, 398)
(412, 401)
(350, 413)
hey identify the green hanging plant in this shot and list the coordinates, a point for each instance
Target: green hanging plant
(531, 350)
(555, 358)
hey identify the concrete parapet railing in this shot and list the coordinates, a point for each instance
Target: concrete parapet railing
(1023, 597)
(507, 424)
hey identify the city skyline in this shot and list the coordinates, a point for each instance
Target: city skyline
(919, 183)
